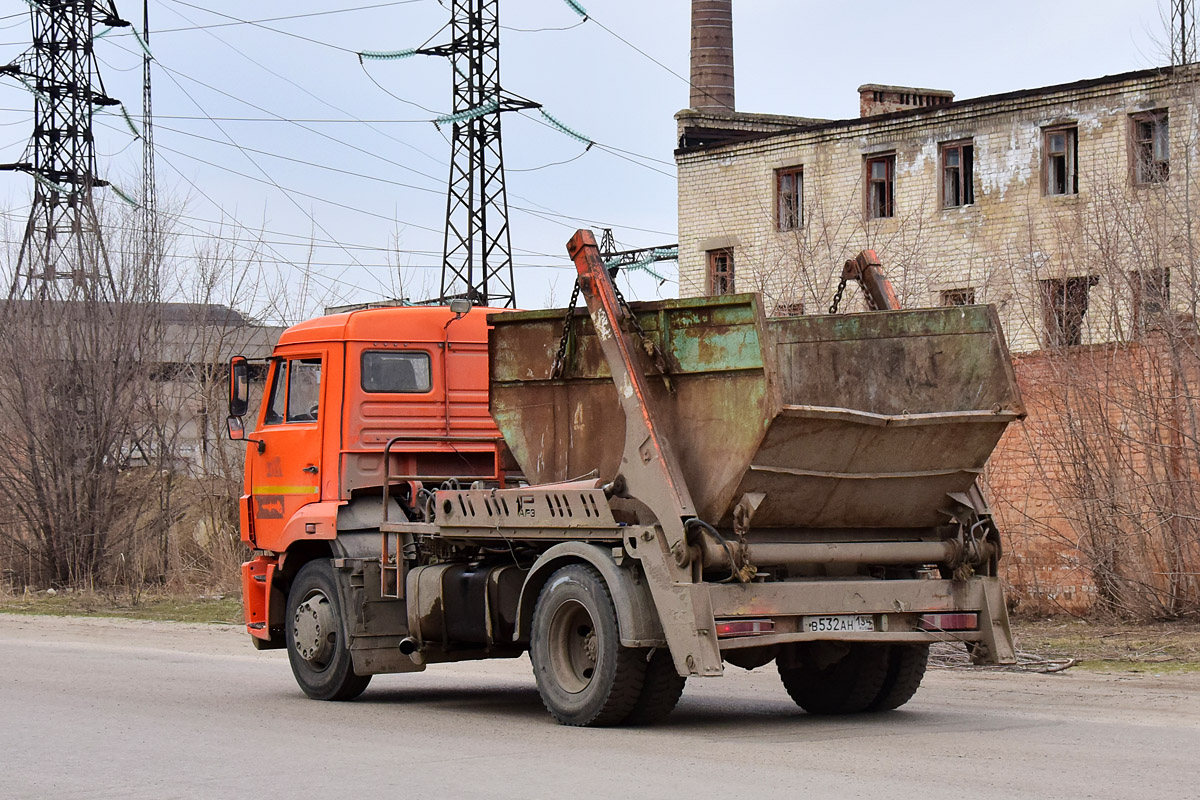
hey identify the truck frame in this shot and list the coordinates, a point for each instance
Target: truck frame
(394, 526)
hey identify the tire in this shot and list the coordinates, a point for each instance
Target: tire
(584, 675)
(849, 685)
(906, 668)
(316, 644)
(661, 690)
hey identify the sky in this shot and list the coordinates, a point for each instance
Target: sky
(275, 136)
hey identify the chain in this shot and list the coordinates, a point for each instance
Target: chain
(633, 320)
(837, 297)
(560, 358)
(648, 345)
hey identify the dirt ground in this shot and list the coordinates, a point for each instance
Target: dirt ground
(1113, 646)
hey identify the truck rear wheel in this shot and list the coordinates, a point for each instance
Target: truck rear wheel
(316, 644)
(661, 690)
(848, 685)
(584, 675)
(906, 668)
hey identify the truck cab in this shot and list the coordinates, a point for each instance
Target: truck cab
(341, 390)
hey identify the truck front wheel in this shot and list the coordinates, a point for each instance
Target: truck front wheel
(584, 675)
(316, 644)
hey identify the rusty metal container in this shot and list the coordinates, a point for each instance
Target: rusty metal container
(851, 421)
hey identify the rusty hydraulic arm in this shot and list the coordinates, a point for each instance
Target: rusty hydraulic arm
(867, 270)
(650, 473)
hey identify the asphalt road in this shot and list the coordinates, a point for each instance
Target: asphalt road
(101, 708)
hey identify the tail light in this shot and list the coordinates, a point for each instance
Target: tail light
(744, 627)
(949, 622)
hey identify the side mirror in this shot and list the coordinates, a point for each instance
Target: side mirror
(237, 432)
(239, 387)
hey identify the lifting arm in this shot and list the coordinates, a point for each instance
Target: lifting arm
(867, 269)
(650, 473)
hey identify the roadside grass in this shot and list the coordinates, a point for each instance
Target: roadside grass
(1156, 647)
(212, 608)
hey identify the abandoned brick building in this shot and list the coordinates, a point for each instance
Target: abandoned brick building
(1068, 207)
(999, 199)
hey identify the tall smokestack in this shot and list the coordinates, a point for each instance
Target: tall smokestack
(712, 55)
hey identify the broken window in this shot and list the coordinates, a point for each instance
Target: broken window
(720, 271)
(881, 188)
(958, 297)
(1151, 151)
(789, 310)
(789, 191)
(958, 174)
(1062, 160)
(1064, 304)
(1151, 296)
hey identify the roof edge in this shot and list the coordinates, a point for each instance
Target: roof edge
(971, 101)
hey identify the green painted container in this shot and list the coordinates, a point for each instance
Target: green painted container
(848, 421)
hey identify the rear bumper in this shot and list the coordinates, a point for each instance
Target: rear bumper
(895, 605)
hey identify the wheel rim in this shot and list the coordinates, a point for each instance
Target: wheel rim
(574, 647)
(314, 629)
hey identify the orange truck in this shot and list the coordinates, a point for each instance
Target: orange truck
(632, 496)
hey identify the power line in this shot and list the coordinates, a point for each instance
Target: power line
(306, 91)
(161, 147)
(259, 22)
(278, 118)
(237, 21)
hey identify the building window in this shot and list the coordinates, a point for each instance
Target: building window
(1062, 160)
(881, 186)
(958, 174)
(1151, 151)
(958, 297)
(1064, 304)
(1151, 296)
(720, 271)
(789, 194)
(789, 310)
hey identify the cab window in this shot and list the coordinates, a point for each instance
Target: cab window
(275, 403)
(295, 391)
(304, 389)
(395, 372)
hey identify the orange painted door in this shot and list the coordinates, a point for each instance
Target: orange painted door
(287, 473)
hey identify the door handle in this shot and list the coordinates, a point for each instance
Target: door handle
(311, 469)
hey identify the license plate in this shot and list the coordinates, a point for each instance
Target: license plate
(839, 623)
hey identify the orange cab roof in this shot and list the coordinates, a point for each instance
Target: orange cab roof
(392, 324)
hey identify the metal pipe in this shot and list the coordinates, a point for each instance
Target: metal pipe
(714, 555)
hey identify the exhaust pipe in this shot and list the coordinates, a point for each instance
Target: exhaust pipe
(412, 648)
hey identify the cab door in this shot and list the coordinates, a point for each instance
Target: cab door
(286, 475)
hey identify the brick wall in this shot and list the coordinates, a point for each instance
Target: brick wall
(1096, 492)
